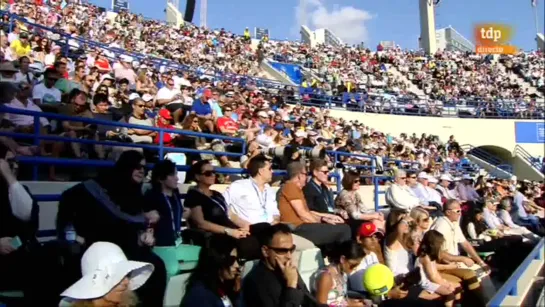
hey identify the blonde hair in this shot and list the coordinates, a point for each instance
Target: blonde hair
(418, 214)
(129, 299)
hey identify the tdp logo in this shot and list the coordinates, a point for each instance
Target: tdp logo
(491, 33)
(492, 38)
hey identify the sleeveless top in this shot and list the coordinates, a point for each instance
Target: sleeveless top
(338, 293)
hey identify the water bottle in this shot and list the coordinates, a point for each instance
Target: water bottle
(70, 233)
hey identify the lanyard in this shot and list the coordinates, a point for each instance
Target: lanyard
(178, 220)
(327, 196)
(262, 200)
(220, 204)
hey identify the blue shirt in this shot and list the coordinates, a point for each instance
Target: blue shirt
(201, 108)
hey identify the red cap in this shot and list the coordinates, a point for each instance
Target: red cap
(207, 93)
(368, 230)
(164, 113)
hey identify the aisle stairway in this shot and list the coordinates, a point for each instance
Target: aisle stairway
(411, 86)
(519, 80)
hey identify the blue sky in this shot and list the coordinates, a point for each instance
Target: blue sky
(365, 20)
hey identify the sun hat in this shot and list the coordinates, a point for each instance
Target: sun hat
(432, 179)
(423, 175)
(103, 266)
(446, 177)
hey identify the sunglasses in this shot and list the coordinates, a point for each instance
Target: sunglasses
(281, 250)
(208, 173)
(425, 219)
(357, 181)
(140, 167)
(139, 105)
(228, 110)
(230, 260)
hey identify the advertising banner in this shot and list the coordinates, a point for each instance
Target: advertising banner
(259, 33)
(120, 5)
(530, 133)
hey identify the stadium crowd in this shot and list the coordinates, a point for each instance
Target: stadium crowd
(438, 205)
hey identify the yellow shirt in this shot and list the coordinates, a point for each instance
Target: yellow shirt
(19, 49)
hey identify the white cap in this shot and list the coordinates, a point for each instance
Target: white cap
(423, 175)
(432, 179)
(446, 177)
(133, 96)
(262, 114)
(300, 134)
(125, 58)
(147, 97)
(513, 178)
(467, 177)
(104, 266)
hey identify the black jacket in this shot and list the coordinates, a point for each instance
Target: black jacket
(116, 216)
(264, 288)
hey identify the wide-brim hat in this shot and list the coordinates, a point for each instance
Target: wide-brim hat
(104, 266)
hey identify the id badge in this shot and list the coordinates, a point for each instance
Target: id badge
(226, 301)
(178, 241)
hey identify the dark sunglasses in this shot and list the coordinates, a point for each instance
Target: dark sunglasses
(281, 250)
(139, 105)
(357, 181)
(208, 173)
(230, 260)
(140, 167)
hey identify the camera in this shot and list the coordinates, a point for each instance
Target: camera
(294, 153)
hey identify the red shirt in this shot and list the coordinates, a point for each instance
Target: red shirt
(227, 123)
(167, 137)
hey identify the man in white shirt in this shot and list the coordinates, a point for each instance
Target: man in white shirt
(462, 267)
(431, 188)
(22, 101)
(45, 93)
(254, 201)
(444, 187)
(399, 195)
(449, 227)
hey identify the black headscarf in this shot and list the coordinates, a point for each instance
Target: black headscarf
(120, 185)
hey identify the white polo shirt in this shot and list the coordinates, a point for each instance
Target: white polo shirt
(24, 120)
(247, 202)
(453, 234)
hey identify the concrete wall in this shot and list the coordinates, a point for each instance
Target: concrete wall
(477, 132)
(48, 210)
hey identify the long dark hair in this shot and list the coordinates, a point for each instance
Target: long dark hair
(480, 226)
(212, 260)
(431, 245)
(351, 250)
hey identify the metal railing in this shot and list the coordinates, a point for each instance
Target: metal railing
(521, 152)
(487, 157)
(510, 287)
(37, 137)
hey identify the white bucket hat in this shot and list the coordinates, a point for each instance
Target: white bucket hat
(103, 266)
(446, 177)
